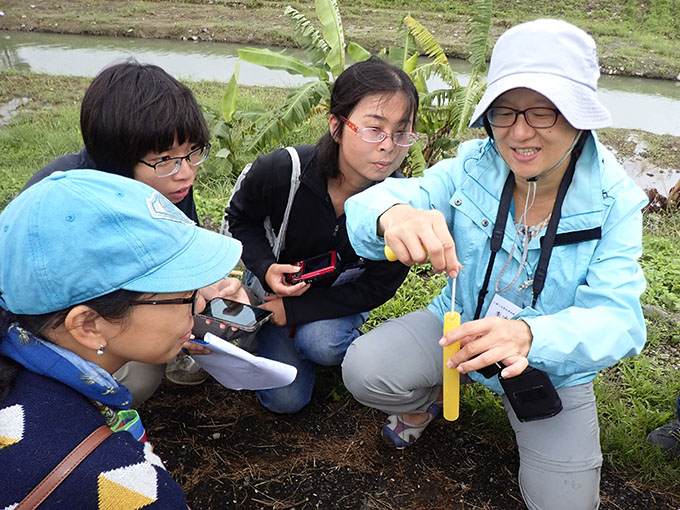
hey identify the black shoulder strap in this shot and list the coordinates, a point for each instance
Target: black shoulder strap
(496, 237)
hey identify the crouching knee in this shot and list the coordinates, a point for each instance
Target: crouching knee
(357, 376)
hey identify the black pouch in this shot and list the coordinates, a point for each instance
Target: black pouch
(532, 395)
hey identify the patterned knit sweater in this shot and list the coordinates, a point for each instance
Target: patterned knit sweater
(42, 420)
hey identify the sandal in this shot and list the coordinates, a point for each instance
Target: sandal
(400, 434)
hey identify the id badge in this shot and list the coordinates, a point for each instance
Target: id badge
(501, 307)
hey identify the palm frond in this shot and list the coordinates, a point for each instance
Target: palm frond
(479, 34)
(426, 41)
(295, 110)
(416, 162)
(426, 71)
(467, 99)
(438, 98)
(401, 55)
(308, 36)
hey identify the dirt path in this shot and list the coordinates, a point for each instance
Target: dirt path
(228, 452)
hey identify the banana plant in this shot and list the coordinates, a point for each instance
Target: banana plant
(222, 129)
(326, 52)
(444, 113)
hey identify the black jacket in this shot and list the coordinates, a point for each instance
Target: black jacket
(81, 161)
(313, 229)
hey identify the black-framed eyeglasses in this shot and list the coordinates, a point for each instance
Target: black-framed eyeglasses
(168, 166)
(375, 135)
(537, 117)
(192, 300)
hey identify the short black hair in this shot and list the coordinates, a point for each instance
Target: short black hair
(132, 109)
(372, 76)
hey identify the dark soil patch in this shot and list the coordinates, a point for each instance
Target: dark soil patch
(228, 452)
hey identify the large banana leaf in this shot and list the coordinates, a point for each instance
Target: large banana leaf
(357, 52)
(329, 15)
(228, 106)
(273, 60)
(410, 63)
(402, 55)
(294, 111)
(309, 37)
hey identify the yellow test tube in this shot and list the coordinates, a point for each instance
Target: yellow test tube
(451, 375)
(451, 381)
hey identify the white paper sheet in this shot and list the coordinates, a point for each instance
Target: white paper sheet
(237, 369)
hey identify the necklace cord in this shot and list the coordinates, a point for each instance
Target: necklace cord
(548, 240)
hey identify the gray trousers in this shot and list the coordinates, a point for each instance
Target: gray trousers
(397, 368)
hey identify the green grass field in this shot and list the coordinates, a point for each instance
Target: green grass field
(635, 396)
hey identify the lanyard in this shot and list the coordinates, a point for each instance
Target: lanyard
(548, 240)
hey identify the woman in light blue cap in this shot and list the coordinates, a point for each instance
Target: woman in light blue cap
(72, 312)
(547, 230)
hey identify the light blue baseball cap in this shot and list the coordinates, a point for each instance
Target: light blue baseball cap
(81, 234)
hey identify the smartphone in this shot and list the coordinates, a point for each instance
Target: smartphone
(316, 268)
(233, 314)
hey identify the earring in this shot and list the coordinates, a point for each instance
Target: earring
(100, 351)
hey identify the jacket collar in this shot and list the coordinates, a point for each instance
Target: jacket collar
(583, 205)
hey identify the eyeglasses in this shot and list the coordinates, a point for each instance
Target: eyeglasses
(375, 135)
(168, 166)
(538, 117)
(192, 300)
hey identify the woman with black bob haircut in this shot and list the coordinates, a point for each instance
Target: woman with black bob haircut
(288, 206)
(139, 122)
(73, 315)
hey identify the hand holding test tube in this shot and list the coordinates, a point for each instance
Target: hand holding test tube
(451, 381)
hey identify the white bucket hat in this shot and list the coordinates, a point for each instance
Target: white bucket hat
(555, 59)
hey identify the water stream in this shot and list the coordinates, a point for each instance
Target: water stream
(635, 103)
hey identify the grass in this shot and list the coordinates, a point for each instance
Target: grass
(634, 397)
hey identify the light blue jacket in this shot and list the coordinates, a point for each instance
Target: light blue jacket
(588, 315)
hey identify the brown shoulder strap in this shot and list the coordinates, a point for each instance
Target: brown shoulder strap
(64, 468)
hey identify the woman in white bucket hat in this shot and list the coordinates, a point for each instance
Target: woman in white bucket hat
(547, 230)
